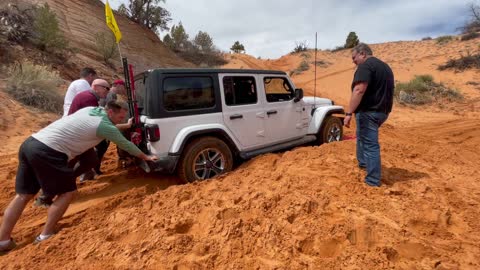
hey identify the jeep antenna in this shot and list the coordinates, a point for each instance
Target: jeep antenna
(315, 74)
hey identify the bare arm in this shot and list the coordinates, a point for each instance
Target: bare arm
(357, 94)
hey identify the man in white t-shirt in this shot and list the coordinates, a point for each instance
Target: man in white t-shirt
(87, 75)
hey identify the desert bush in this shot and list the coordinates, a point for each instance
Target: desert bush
(422, 89)
(464, 62)
(338, 48)
(303, 66)
(35, 86)
(469, 36)
(427, 38)
(473, 83)
(322, 63)
(203, 59)
(305, 55)
(47, 34)
(16, 21)
(106, 46)
(300, 46)
(443, 39)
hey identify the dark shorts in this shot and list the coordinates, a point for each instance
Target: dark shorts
(40, 166)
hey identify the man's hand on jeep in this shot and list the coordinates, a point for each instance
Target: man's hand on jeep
(151, 158)
(130, 122)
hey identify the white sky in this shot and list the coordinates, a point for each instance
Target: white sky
(270, 29)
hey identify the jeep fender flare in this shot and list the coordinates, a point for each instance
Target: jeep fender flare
(188, 133)
(319, 116)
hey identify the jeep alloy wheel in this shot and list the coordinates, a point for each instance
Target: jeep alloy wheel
(205, 158)
(332, 130)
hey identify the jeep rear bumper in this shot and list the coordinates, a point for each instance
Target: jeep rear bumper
(166, 164)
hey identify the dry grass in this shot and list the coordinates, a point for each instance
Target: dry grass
(35, 86)
(464, 62)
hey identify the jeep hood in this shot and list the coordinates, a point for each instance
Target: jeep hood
(317, 101)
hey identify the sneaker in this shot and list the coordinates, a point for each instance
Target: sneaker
(90, 175)
(41, 239)
(43, 201)
(7, 247)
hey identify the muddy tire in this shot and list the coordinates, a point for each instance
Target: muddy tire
(331, 131)
(204, 158)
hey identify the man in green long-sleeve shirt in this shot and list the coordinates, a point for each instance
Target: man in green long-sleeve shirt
(43, 163)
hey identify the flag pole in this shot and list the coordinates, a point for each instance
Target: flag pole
(120, 52)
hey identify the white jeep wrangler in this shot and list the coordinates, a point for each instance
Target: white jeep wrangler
(198, 121)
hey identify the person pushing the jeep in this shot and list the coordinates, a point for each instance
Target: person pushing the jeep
(43, 163)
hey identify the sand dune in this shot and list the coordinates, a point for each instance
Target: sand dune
(302, 209)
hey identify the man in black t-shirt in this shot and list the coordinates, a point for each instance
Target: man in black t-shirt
(371, 101)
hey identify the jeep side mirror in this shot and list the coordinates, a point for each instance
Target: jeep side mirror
(298, 95)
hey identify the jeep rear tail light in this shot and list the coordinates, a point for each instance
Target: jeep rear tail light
(153, 132)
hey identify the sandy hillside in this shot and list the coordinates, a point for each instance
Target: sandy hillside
(80, 20)
(302, 209)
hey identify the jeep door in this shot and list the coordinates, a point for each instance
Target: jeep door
(285, 119)
(243, 113)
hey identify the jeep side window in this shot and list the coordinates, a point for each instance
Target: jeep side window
(278, 89)
(239, 90)
(188, 93)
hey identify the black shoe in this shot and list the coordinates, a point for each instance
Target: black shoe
(43, 201)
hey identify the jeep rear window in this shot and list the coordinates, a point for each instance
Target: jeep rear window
(187, 93)
(278, 89)
(239, 90)
(140, 93)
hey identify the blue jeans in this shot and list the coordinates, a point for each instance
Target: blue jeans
(368, 149)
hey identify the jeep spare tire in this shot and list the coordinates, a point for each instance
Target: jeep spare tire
(205, 158)
(331, 131)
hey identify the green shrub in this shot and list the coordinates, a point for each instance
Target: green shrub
(443, 39)
(106, 46)
(423, 90)
(427, 38)
(470, 36)
(303, 66)
(464, 62)
(35, 86)
(47, 35)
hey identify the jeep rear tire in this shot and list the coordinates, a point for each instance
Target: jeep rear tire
(204, 158)
(331, 131)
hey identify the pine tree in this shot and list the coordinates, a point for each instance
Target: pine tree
(352, 40)
(203, 42)
(237, 47)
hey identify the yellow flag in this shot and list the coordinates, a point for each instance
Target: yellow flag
(111, 23)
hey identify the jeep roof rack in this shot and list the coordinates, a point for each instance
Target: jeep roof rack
(214, 70)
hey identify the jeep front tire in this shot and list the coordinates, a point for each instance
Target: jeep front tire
(204, 158)
(331, 131)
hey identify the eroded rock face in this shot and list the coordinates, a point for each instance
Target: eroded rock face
(80, 20)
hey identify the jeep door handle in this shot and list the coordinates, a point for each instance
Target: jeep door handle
(236, 116)
(271, 112)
